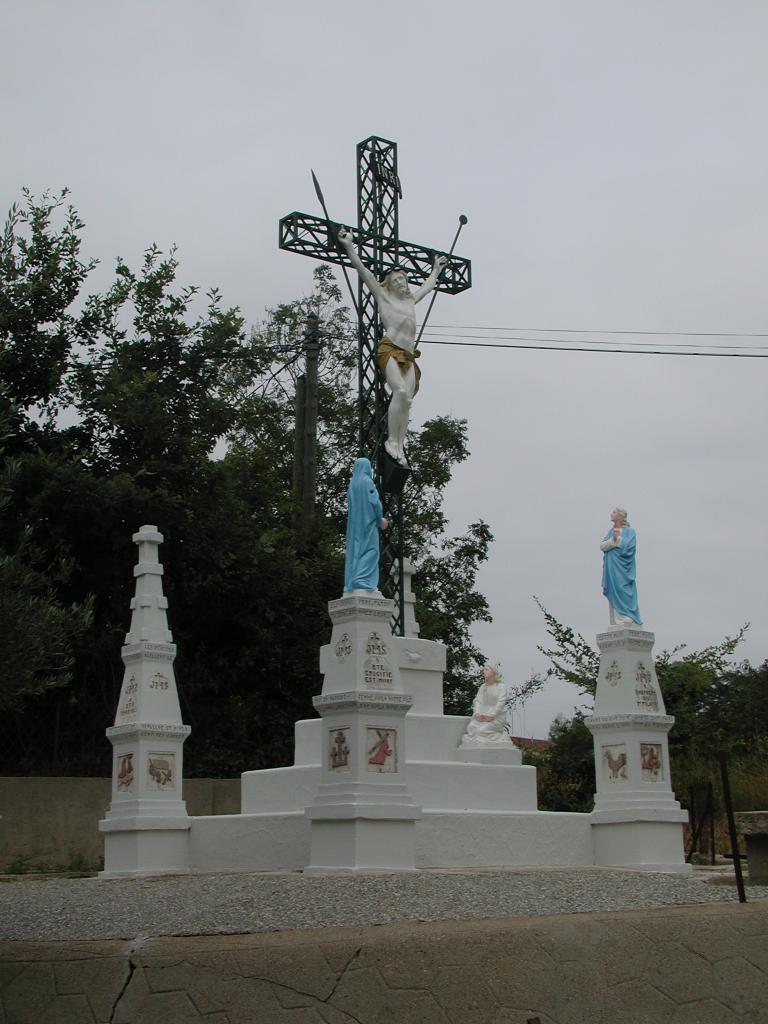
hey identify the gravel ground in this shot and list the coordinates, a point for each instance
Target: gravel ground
(91, 908)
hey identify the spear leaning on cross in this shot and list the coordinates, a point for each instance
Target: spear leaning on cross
(319, 192)
(462, 222)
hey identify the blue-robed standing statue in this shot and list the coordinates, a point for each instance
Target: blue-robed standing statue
(364, 520)
(619, 575)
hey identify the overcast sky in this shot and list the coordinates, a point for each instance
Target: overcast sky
(612, 159)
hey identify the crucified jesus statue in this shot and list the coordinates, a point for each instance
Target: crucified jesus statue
(397, 352)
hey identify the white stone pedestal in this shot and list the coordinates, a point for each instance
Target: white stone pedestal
(489, 753)
(362, 815)
(146, 829)
(471, 810)
(637, 822)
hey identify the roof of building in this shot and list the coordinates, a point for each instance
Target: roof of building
(529, 741)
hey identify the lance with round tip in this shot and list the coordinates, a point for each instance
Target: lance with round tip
(319, 192)
(462, 222)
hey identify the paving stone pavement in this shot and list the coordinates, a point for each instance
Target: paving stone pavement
(703, 963)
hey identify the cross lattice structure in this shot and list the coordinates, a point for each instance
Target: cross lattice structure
(381, 250)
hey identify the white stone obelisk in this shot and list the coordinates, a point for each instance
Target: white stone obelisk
(363, 816)
(637, 822)
(146, 829)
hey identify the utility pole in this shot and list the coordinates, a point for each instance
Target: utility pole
(309, 454)
(299, 401)
(305, 432)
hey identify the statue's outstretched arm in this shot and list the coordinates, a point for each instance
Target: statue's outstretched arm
(345, 240)
(441, 262)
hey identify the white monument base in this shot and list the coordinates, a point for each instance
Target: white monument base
(642, 843)
(439, 777)
(362, 812)
(137, 846)
(478, 802)
(442, 839)
(490, 753)
(361, 844)
(383, 781)
(146, 829)
(637, 821)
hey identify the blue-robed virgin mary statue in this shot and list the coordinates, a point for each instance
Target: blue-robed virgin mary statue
(619, 576)
(364, 520)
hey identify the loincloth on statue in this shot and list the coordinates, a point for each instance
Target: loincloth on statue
(402, 357)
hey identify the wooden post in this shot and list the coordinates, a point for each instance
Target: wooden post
(711, 800)
(732, 828)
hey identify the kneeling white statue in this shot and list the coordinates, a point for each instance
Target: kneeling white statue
(489, 711)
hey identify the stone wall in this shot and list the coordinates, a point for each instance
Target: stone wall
(54, 821)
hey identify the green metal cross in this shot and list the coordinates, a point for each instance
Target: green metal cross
(381, 250)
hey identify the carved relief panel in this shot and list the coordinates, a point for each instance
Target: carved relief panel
(338, 750)
(124, 773)
(161, 771)
(614, 757)
(382, 750)
(651, 762)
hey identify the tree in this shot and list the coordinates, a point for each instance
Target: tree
(162, 409)
(447, 605)
(152, 395)
(41, 273)
(565, 770)
(37, 631)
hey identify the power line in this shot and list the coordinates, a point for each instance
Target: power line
(581, 348)
(565, 342)
(574, 330)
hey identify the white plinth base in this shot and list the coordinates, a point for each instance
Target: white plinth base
(488, 840)
(442, 839)
(358, 826)
(642, 845)
(156, 847)
(441, 775)
(489, 753)
(435, 785)
(249, 842)
(361, 844)
(478, 802)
